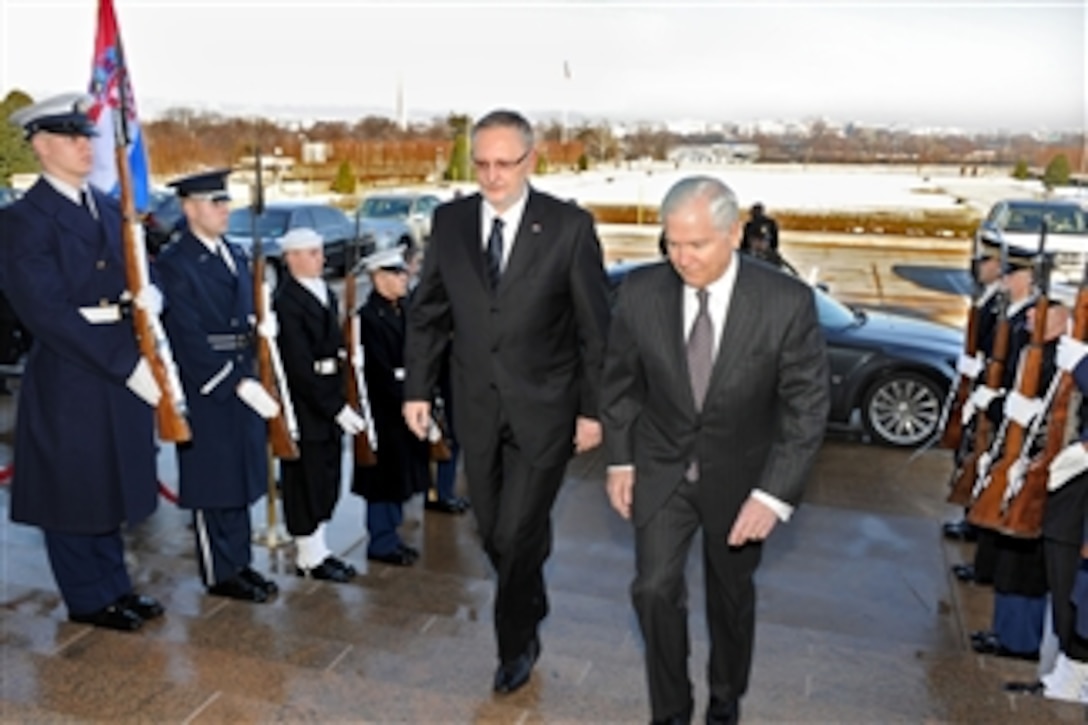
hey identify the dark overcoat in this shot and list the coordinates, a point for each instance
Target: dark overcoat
(403, 460)
(310, 332)
(84, 443)
(225, 465)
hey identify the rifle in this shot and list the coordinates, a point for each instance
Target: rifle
(963, 479)
(150, 336)
(988, 507)
(952, 412)
(1025, 504)
(282, 429)
(365, 443)
(437, 434)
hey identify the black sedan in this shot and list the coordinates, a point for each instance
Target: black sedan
(894, 370)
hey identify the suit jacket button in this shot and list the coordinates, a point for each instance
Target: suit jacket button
(233, 322)
(100, 264)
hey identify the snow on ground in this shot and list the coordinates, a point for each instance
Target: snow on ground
(798, 187)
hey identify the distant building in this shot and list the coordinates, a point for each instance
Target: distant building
(725, 152)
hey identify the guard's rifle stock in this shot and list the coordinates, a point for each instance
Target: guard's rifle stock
(963, 478)
(952, 411)
(1025, 505)
(987, 508)
(283, 428)
(438, 433)
(365, 442)
(150, 336)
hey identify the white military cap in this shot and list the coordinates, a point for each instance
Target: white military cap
(64, 114)
(301, 238)
(389, 259)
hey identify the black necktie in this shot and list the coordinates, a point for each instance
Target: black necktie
(701, 351)
(86, 203)
(494, 253)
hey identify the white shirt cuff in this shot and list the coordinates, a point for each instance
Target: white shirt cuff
(781, 509)
(621, 467)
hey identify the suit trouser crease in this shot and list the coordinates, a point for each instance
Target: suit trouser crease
(89, 569)
(223, 547)
(512, 501)
(659, 595)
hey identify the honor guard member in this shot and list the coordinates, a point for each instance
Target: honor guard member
(224, 468)
(403, 467)
(312, 346)
(84, 436)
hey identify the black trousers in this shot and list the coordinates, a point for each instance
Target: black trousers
(223, 546)
(512, 501)
(659, 594)
(1062, 560)
(311, 485)
(89, 569)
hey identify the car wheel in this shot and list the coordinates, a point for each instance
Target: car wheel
(902, 409)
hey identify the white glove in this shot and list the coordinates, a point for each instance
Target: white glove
(1014, 477)
(1070, 352)
(982, 396)
(969, 366)
(149, 299)
(269, 327)
(255, 396)
(1067, 465)
(1022, 410)
(350, 421)
(142, 383)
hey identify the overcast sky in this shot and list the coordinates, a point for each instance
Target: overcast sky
(977, 65)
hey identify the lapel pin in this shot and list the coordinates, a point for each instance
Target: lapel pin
(535, 228)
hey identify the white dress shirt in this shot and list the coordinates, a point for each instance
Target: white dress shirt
(316, 286)
(511, 221)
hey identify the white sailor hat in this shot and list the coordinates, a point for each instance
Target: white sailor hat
(388, 259)
(301, 238)
(65, 114)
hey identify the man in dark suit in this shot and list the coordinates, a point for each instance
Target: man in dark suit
(760, 231)
(696, 438)
(84, 439)
(312, 346)
(224, 468)
(516, 276)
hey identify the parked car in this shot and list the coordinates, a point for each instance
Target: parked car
(895, 370)
(397, 219)
(7, 195)
(1017, 223)
(163, 221)
(280, 217)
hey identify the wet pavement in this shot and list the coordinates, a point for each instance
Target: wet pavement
(859, 620)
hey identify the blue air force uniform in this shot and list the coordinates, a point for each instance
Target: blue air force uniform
(84, 443)
(224, 468)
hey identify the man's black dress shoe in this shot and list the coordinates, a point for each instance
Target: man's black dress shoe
(992, 646)
(111, 617)
(400, 557)
(960, 531)
(331, 569)
(1024, 688)
(239, 588)
(681, 718)
(447, 506)
(258, 580)
(141, 606)
(411, 551)
(514, 674)
(722, 712)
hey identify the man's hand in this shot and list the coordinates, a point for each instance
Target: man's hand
(754, 523)
(417, 416)
(587, 434)
(621, 489)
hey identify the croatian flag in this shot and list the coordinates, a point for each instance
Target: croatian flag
(109, 79)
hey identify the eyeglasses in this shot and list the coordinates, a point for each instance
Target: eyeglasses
(501, 164)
